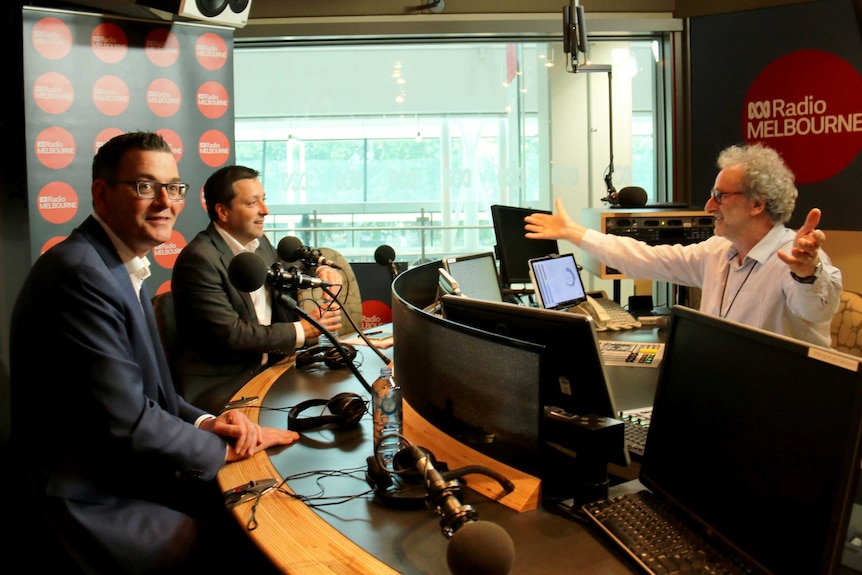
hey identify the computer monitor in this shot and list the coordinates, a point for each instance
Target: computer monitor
(557, 281)
(476, 275)
(573, 375)
(513, 249)
(755, 433)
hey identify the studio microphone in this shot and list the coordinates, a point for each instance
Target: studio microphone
(247, 272)
(291, 249)
(475, 547)
(385, 256)
(611, 198)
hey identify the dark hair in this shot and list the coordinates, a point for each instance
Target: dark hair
(218, 188)
(107, 159)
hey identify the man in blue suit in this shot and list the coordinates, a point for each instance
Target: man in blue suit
(115, 456)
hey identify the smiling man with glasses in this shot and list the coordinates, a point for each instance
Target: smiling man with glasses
(754, 270)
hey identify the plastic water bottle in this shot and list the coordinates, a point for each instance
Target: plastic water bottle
(388, 414)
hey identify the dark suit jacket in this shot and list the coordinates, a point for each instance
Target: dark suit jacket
(220, 340)
(95, 413)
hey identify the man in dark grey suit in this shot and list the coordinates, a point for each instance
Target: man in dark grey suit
(226, 336)
(116, 457)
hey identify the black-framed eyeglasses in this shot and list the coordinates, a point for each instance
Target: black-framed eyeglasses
(718, 195)
(149, 189)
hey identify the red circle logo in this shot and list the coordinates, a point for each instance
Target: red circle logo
(211, 51)
(51, 38)
(374, 313)
(806, 106)
(166, 254)
(212, 100)
(57, 202)
(104, 136)
(109, 43)
(164, 97)
(51, 243)
(111, 95)
(55, 148)
(162, 47)
(214, 148)
(164, 288)
(53, 93)
(174, 141)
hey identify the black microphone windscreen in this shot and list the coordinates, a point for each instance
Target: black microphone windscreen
(288, 248)
(632, 197)
(480, 548)
(384, 255)
(247, 271)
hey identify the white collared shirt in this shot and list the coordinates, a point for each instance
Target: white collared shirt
(138, 267)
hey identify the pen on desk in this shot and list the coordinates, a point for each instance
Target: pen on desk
(373, 332)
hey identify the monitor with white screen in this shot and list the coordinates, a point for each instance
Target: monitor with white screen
(557, 281)
(476, 275)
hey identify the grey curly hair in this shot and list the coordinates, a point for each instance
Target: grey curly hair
(765, 176)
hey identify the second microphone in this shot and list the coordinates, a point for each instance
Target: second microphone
(247, 272)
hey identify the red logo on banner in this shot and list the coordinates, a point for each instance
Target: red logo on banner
(164, 288)
(166, 254)
(111, 95)
(57, 202)
(164, 97)
(109, 43)
(53, 93)
(806, 105)
(375, 312)
(55, 148)
(162, 47)
(51, 243)
(211, 51)
(52, 38)
(104, 136)
(214, 148)
(174, 141)
(212, 100)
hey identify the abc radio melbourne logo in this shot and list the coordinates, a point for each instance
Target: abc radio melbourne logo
(805, 105)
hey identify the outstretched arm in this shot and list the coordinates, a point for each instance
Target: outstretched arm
(804, 255)
(557, 226)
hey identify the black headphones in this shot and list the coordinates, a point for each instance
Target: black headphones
(328, 354)
(346, 409)
(402, 488)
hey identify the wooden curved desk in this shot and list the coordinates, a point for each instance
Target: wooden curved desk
(292, 535)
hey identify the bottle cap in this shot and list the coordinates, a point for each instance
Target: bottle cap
(385, 372)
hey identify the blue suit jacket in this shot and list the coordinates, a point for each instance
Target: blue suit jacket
(95, 413)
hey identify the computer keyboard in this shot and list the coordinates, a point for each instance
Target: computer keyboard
(628, 353)
(660, 540)
(636, 426)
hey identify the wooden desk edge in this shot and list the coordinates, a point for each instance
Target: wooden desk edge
(297, 540)
(291, 534)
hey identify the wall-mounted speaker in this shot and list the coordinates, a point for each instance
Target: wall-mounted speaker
(225, 12)
(232, 13)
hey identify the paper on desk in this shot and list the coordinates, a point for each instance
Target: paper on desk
(378, 343)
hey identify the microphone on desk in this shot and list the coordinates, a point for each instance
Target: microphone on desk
(385, 256)
(291, 249)
(475, 547)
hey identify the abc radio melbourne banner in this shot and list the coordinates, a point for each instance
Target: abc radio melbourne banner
(88, 78)
(788, 77)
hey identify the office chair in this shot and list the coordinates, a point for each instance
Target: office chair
(845, 332)
(163, 307)
(349, 297)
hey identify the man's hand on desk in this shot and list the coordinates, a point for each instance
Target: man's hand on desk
(244, 437)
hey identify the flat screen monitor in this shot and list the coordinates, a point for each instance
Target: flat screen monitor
(573, 375)
(514, 250)
(476, 275)
(755, 433)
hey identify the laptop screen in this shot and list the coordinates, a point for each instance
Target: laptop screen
(756, 436)
(476, 275)
(557, 281)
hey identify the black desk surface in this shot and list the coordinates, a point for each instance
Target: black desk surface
(328, 467)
